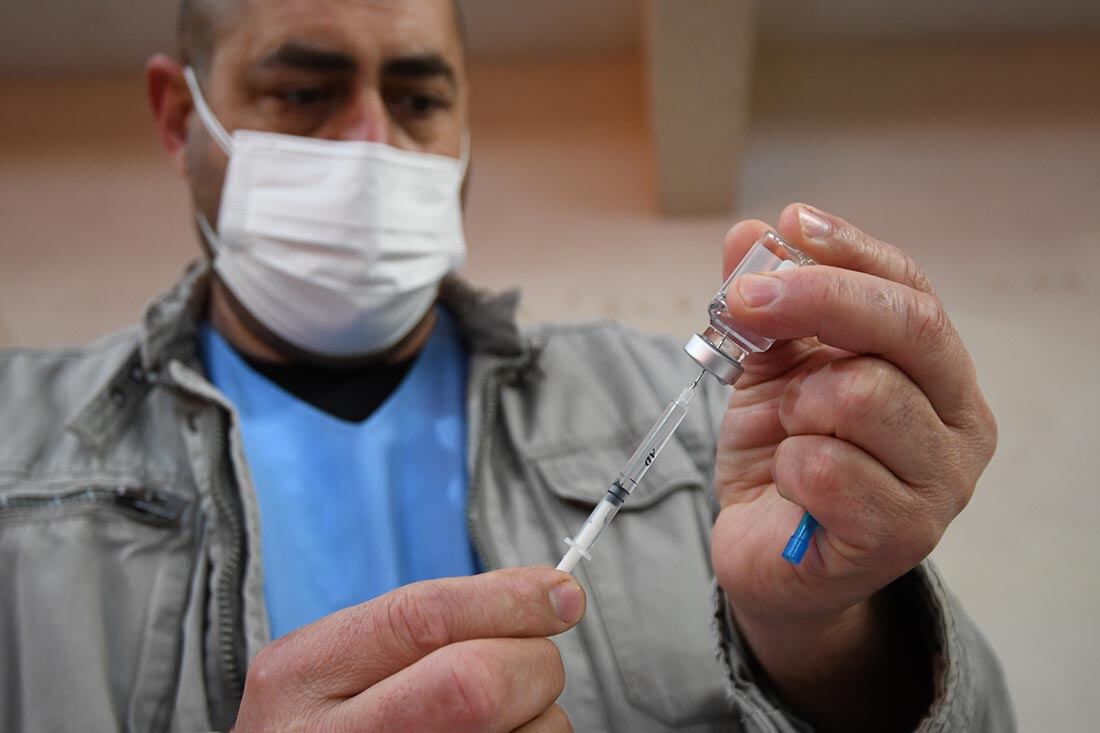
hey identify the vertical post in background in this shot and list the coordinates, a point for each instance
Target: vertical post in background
(5, 337)
(699, 54)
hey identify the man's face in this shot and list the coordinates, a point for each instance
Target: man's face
(386, 71)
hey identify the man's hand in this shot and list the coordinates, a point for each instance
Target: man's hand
(460, 654)
(868, 415)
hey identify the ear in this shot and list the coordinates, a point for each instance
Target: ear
(171, 103)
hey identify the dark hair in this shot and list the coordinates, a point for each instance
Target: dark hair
(197, 30)
(200, 22)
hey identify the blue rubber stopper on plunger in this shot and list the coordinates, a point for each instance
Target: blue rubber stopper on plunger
(800, 540)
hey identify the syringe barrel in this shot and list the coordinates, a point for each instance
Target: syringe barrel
(600, 517)
(658, 436)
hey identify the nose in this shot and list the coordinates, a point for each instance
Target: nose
(364, 118)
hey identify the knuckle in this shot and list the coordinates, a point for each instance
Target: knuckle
(868, 384)
(834, 288)
(792, 395)
(419, 618)
(987, 435)
(913, 275)
(928, 322)
(788, 467)
(470, 690)
(962, 498)
(963, 481)
(815, 470)
(989, 445)
(820, 468)
(262, 680)
(553, 665)
(948, 488)
(558, 720)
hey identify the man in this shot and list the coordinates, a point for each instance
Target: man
(303, 426)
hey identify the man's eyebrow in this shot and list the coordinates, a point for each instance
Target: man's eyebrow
(309, 58)
(421, 67)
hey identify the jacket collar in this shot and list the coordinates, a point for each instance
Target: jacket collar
(487, 322)
(169, 328)
(169, 325)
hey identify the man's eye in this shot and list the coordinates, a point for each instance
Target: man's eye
(305, 97)
(417, 105)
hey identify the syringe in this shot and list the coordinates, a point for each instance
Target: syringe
(629, 477)
(721, 350)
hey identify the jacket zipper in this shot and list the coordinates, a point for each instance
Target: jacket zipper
(490, 404)
(229, 583)
(152, 507)
(227, 589)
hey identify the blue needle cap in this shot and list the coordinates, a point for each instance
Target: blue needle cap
(800, 540)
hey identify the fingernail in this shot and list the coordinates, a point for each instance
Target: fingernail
(567, 601)
(758, 290)
(814, 226)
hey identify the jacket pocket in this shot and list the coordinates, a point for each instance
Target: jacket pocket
(650, 578)
(93, 586)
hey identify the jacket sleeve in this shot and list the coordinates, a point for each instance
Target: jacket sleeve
(970, 693)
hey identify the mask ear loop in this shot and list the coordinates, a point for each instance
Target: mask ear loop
(206, 115)
(221, 137)
(464, 155)
(208, 233)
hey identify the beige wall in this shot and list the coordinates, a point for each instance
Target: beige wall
(982, 162)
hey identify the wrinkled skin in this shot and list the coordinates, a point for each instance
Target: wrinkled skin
(460, 654)
(868, 414)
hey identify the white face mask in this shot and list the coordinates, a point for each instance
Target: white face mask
(337, 247)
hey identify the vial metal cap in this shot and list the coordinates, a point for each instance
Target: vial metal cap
(723, 368)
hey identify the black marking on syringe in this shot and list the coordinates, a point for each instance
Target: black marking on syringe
(617, 493)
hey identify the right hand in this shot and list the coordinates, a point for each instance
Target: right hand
(458, 654)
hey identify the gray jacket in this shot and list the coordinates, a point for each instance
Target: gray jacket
(130, 569)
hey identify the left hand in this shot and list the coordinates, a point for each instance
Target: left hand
(867, 413)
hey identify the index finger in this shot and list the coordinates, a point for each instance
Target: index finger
(829, 240)
(865, 314)
(345, 653)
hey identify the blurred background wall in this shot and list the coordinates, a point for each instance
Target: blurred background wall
(966, 132)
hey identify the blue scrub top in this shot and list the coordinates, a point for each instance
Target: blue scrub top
(350, 511)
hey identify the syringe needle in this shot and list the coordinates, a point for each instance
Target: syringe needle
(696, 382)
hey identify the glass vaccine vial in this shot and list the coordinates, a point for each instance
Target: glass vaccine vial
(723, 346)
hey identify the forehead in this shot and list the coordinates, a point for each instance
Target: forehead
(368, 30)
